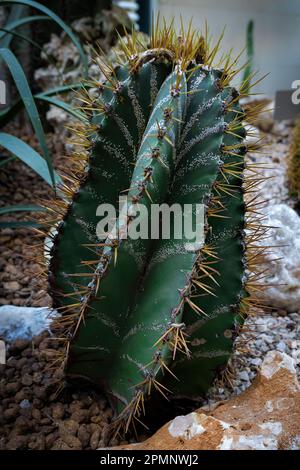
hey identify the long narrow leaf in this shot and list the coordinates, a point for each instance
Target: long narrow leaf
(29, 41)
(19, 224)
(28, 155)
(9, 112)
(4, 161)
(21, 208)
(59, 21)
(65, 106)
(63, 89)
(26, 95)
(16, 13)
(21, 36)
(17, 23)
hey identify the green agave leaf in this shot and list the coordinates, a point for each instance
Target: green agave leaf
(61, 89)
(28, 155)
(4, 161)
(5, 38)
(29, 103)
(14, 16)
(29, 41)
(19, 224)
(22, 208)
(63, 105)
(9, 112)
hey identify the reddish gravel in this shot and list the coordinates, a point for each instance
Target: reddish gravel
(32, 416)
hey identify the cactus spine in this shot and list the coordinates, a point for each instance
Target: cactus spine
(143, 315)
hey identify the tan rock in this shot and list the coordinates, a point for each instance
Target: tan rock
(264, 417)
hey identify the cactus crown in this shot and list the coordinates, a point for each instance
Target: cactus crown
(153, 315)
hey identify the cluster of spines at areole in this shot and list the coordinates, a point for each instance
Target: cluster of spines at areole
(186, 52)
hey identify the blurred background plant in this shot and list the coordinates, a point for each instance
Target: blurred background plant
(248, 72)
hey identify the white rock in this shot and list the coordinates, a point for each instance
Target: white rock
(283, 264)
(273, 188)
(25, 404)
(281, 346)
(256, 361)
(56, 116)
(274, 361)
(186, 426)
(255, 442)
(266, 417)
(243, 375)
(273, 426)
(24, 322)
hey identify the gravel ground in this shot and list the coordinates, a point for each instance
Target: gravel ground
(265, 332)
(20, 283)
(32, 415)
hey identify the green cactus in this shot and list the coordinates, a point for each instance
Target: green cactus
(156, 314)
(293, 163)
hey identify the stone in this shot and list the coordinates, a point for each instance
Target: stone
(79, 416)
(25, 404)
(19, 323)
(256, 361)
(27, 380)
(17, 442)
(243, 375)
(281, 346)
(68, 428)
(11, 285)
(84, 435)
(11, 413)
(58, 411)
(18, 346)
(13, 387)
(94, 441)
(73, 442)
(264, 417)
(60, 444)
(282, 280)
(37, 442)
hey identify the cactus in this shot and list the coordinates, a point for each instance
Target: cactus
(248, 72)
(293, 163)
(155, 314)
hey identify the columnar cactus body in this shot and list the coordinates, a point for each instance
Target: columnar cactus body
(156, 314)
(222, 274)
(293, 163)
(107, 173)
